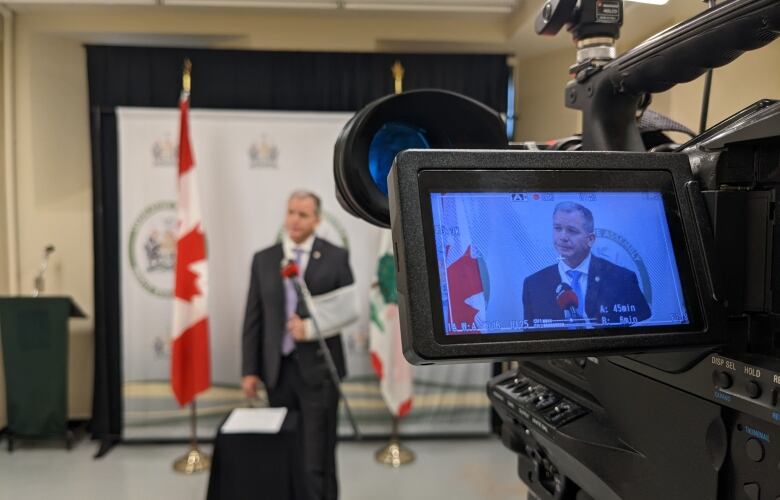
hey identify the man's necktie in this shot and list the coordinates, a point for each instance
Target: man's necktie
(291, 303)
(575, 285)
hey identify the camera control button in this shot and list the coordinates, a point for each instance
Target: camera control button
(754, 449)
(722, 379)
(753, 389)
(753, 491)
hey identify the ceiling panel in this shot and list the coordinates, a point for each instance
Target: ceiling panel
(440, 5)
(501, 6)
(287, 4)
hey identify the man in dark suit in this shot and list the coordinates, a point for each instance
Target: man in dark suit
(606, 293)
(280, 348)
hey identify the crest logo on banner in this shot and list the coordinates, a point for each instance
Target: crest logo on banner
(615, 248)
(152, 248)
(165, 153)
(263, 154)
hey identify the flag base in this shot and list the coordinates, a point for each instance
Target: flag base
(194, 461)
(394, 454)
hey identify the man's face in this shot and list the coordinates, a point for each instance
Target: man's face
(301, 219)
(570, 238)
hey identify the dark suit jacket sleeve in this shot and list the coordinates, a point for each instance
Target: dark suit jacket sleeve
(251, 344)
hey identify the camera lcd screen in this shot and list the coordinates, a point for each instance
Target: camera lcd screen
(534, 262)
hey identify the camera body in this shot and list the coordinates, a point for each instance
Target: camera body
(697, 422)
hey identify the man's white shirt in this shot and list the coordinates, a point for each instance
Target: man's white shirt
(582, 268)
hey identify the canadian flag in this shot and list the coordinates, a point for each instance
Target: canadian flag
(466, 277)
(190, 363)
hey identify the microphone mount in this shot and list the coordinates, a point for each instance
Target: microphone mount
(39, 283)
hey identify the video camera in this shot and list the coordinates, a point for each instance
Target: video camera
(638, 291)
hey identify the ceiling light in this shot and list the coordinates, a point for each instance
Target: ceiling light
(651, 2)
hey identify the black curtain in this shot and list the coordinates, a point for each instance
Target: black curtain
(232, 79)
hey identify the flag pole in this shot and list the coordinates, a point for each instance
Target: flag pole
(394, 453)
(194, 460)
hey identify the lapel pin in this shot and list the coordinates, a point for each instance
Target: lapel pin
(597, 279)
(316, 254)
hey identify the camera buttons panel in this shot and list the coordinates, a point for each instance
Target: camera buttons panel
(534, 402)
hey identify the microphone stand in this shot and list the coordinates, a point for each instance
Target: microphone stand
(334, 375)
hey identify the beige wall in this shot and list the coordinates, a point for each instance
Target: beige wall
(540, 83)
(4, 285)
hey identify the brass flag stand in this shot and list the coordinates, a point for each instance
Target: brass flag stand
(394, 453)
(194, 460)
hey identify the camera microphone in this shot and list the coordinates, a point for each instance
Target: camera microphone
(567, 300)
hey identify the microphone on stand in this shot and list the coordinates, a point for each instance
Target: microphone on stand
(567, 300)
(291, 272)
(39, 281)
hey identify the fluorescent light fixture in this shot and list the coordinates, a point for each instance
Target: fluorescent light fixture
(650, 2)
(81, 2)
(285, 4)
(487, 6)
(428, 8)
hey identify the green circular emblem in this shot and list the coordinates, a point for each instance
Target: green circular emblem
(621, 242)
(151, 248)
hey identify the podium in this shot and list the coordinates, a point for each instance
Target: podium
(250, 466)
(34, 333)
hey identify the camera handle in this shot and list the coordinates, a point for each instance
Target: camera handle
(610, 96)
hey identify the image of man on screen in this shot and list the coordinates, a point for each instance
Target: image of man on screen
(581, 288)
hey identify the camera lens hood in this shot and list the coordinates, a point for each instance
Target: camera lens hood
(446, 119)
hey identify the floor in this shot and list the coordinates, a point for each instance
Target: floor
(462, 469)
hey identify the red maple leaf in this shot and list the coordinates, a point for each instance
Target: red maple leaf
(464, 281)
(191, 248)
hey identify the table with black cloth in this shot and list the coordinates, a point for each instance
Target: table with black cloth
(258, 466)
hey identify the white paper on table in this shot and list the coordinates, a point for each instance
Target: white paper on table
(254, 421)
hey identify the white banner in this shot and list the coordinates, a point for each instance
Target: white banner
(248, 163)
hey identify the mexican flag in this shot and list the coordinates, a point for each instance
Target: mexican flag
(395, 373)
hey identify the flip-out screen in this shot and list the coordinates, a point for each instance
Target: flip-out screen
(506, 254)
(530, 262)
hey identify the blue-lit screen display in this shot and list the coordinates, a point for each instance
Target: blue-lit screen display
(515, 262)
